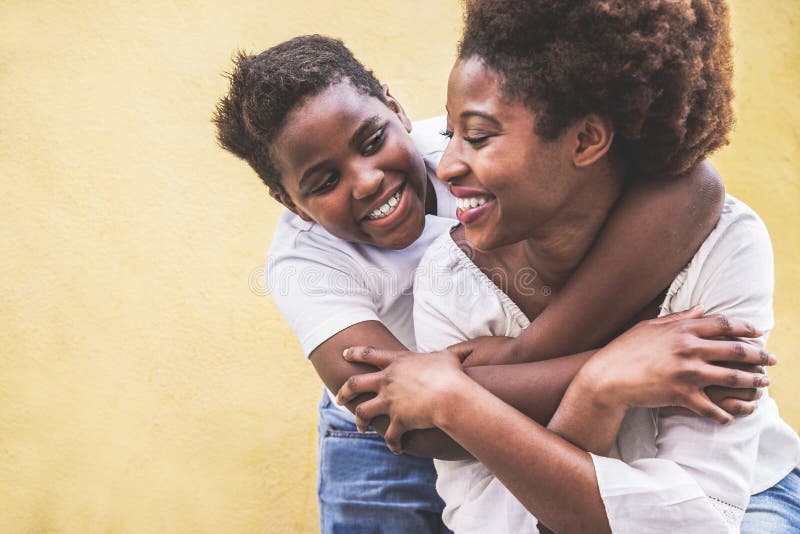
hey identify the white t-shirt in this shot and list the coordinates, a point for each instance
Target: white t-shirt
(323, 284)
(670, 474)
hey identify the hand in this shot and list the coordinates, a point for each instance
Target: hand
(409, 387)
(670, 361)
(738, 402)
(489, 350)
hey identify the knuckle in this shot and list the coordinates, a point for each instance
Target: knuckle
(686, 347)
(738, 351)
(352, 382)
(764, 357)
(367, 352)
(733, 378)
(723, 323)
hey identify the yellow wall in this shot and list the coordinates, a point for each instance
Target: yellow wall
(147, 384)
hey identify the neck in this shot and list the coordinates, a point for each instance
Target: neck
(557, 247)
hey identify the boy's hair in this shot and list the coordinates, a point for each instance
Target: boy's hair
(660, 69)
(265, 88)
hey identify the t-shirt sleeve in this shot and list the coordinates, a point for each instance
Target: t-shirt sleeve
(702, 472)
(319, 293)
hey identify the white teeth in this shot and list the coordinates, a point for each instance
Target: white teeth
(385, 209)
(469, 203)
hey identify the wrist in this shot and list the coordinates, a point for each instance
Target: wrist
(451, 399)
(593, 382)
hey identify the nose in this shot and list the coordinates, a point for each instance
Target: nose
(452, 164)
(368, 182)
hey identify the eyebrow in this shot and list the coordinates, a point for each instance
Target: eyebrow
(363, 127)
(474, 113)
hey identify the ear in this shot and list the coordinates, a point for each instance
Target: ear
(594, 135)
(286, 200)
(395, 106)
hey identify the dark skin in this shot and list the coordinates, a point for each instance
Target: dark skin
(630, 264)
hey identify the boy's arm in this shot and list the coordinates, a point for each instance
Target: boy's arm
(653, 232)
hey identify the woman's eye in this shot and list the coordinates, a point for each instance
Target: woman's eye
(374, 142)
(329, 183)
(476, 141)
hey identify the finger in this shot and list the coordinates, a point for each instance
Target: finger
(694, 312)
(379, 358)
(369, 410)
(718, 393)
(714, 375)
(358, 384)
(702, 406)
(719, 325)
(736, 407)
(750, 368)
(725, 350)
(394, 437)
(463, 350)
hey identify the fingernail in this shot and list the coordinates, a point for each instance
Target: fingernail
(346, 353)
(772, 359)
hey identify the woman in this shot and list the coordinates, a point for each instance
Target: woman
(551, 105)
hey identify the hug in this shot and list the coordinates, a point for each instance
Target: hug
(621, 386)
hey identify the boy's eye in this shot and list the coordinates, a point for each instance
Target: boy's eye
(374, 142)
(330, 182)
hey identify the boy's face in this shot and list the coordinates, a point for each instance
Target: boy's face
(348, 163)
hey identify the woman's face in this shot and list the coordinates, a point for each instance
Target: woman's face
(510, 183)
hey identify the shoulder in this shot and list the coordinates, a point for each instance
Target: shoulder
(740, 233)
(427, 135)
(296, 241)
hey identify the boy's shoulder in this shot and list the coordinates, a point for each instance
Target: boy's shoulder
(427, 136)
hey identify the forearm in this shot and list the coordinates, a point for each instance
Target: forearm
(587, 420)
(535, 389)
(652, 233)
(541, 469)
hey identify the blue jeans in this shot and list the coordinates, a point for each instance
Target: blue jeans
(776, 510)
(365, 489)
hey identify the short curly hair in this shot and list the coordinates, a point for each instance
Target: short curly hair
(660, 69)
(265, 88)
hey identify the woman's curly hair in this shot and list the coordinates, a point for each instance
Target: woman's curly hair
(265, 88)
(660, 69)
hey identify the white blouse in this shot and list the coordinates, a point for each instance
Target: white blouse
(667, 473)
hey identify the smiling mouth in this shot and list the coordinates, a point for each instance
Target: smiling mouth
(466, 204)
(387, 208)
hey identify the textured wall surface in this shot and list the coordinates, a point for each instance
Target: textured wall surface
(147, 384)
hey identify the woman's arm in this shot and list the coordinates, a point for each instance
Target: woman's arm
(540, 468)
(653, 232)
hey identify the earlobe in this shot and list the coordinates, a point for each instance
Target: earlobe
(395, 106)
(594, 137)
(287, 202)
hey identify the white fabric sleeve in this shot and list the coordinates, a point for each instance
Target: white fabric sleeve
(701, 478)
(318, 299)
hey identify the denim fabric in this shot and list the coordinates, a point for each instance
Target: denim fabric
(365, 489)
(776, 510)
